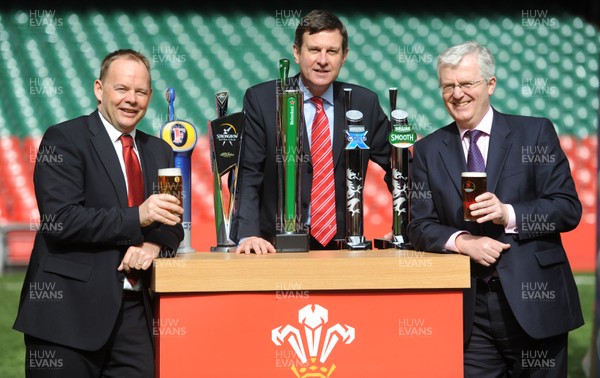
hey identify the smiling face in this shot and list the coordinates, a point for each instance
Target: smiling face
(466, 106)
(124, 93)
(320, 57)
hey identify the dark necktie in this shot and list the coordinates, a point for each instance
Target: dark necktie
(475, 162)
(323, 225)
(135, 185)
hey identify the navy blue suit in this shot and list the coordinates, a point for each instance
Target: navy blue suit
(526, 168)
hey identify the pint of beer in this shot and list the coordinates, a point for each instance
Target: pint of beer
(170, 181)
(473, 184)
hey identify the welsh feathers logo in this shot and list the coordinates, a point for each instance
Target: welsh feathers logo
(313, 318)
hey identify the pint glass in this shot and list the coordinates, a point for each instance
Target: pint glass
(473, 184)
(170, 181)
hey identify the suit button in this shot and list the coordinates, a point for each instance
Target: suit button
(304, 205)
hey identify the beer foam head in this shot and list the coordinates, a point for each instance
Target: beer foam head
(474, 174)
(169, 172)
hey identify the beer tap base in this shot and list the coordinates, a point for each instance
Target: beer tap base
(293, 242)
(186, 244)
(357, 244)
(388, 244)
(185, 249)
(223, 248)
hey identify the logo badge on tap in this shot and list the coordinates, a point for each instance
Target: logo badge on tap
(227, 141)
(181, 135)
(357, 137)
(402, 134)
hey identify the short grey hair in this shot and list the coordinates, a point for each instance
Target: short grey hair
(453, 56)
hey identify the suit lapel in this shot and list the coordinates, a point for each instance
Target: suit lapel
(452, 153)
(106, 153)
(453, 157)
(500, 143)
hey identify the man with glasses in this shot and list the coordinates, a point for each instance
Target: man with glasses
(523, 300)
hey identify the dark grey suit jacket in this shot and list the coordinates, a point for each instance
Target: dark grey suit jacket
(526, 168)
(72, 291)
(256, 198)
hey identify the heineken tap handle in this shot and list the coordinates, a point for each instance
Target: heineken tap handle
(284, 69)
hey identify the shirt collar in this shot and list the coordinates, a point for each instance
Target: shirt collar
(484, 125)
(113, 133)
(327, 96)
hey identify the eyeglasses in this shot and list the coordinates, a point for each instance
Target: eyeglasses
(449, 88)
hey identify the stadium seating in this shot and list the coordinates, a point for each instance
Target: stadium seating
(547, 65)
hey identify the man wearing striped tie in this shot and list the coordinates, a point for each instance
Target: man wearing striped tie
(320, 49)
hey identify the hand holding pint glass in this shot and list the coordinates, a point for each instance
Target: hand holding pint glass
(170, 181)
(473, 184)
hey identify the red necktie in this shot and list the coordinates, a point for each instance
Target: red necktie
(135, 184)
(135, 179)
(322, 208)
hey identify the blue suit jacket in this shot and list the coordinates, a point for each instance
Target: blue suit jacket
(526, 168)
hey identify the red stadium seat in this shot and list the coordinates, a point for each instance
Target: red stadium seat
(18, 204)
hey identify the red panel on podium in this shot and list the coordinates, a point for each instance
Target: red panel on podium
(318, 314)
(347, 334)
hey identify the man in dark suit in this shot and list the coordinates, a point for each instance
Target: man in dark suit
(320, 49)
(523, 300)
(85, 308)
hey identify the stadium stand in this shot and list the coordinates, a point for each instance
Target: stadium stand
(547, 65)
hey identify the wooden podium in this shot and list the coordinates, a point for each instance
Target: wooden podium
(378, 313)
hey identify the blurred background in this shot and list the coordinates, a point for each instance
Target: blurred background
(547, 56)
